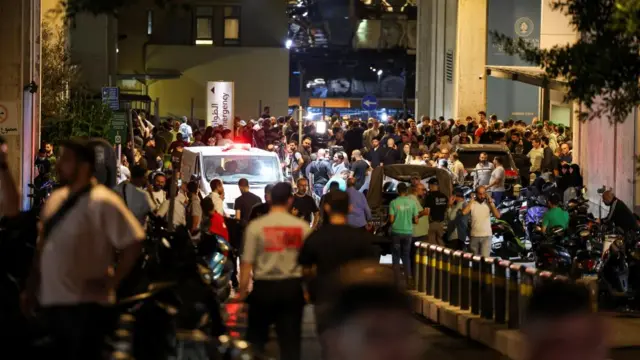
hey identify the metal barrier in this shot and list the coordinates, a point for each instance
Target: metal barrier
(446, 273)
(491, 288)
(465, 284)
(475, 284)
(454, 274)
(437, 282)
(431, 258)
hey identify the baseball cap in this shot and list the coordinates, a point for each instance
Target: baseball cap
(433, 181)
(242, 123)
(458, 192)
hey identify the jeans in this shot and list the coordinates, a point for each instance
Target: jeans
(497, 197)
(318, 189)
(401, 250)
(481, 245)
(281, 303)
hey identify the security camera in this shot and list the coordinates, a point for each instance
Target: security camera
(31, 87)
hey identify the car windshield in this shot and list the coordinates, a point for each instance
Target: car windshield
(230, 169)
(471, 158)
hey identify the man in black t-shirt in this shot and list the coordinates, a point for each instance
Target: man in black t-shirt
(333, 245)
(359, 169)
(261, 209)
(437, 204)
(320, 172)
(391, 155)
(245, 202)
(303, 205)
(376, 153)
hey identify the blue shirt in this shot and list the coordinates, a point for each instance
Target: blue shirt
(360, 212)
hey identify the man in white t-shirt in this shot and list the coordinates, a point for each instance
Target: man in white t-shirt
(156, 195)
(83, 226)
(133, 195)
(481, 207)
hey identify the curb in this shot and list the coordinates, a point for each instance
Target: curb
(507, 342)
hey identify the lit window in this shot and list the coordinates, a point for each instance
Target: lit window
(149, 22)
(204, 25)
(232, 25)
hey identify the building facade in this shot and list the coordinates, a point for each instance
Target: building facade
(169, 54)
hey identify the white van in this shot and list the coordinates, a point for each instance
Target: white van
(230, 164)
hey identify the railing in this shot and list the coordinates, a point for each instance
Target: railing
(491, 288)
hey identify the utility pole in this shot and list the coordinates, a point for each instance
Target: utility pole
(20, 87)
(302, 102)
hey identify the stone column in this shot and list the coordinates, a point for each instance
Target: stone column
(470, 77)
(19, 65)
(424, 84)
(436, 44)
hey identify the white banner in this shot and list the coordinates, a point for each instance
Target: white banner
(220, 104)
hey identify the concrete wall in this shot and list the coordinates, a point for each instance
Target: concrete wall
(471, 55)
(258, 73)
(607, 154)
(263, 23)
(93, 43)
(555, 28)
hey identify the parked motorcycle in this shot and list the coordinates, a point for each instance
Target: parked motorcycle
(508, 232)
(619, 273)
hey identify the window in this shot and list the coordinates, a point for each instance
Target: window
(149, 22)
(231, 25)
(204, 25)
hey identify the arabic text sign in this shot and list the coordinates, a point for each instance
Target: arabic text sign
(9, 118)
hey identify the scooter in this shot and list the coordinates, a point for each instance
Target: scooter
(552, 254)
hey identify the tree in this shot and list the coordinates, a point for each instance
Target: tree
(68, 108)
(604, 63)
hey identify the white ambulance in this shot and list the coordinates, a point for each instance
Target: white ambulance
(230, 164)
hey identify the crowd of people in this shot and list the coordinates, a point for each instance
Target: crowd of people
(293, 244)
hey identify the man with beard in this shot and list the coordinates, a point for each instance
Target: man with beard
(156, 195)
(482, 173)
(481, 207)
(90, 220)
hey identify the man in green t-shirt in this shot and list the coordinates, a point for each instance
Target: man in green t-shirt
(403, 213)
(555, 216)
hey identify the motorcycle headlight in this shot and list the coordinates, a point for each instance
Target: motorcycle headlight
(584, 233)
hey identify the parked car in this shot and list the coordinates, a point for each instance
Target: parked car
(469, 155)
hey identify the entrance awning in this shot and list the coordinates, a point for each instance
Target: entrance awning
(528, 75)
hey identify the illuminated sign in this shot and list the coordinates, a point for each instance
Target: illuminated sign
(220, 105)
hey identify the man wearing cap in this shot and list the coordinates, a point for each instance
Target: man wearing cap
(271, 247)
(436, 202)
(83, 225)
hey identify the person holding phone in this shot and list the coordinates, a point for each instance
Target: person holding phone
(481, 207)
